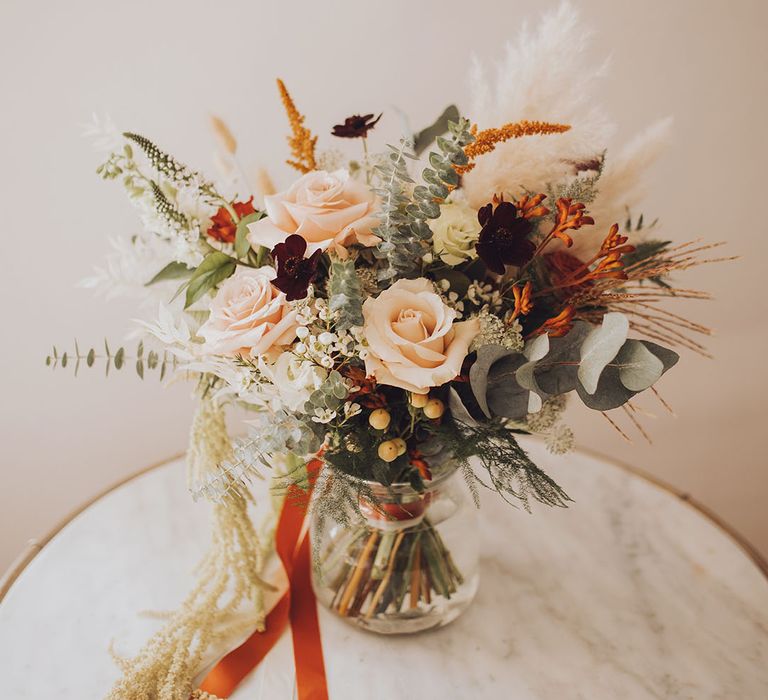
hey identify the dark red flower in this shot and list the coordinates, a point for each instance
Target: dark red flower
(503, 239)
(224, 228)
(355, 127)
(294, 271)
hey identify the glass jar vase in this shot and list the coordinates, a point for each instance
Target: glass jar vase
(403, 561)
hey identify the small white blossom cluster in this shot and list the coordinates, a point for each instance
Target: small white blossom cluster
(452, 299)
(494, 331)
(558, 437)
(478, 294)
(484, 294)
(348, 410)
(319, 341)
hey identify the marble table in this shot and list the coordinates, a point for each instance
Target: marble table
(631, 593)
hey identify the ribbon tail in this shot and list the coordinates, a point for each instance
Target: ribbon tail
(297, 605)
(229, 672)
(311, 681)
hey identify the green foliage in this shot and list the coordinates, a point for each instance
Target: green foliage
(173, 270)
(345, 294)
(645, 250)
(600, 347)
(582, 188)
(510, 470)
(598, 362)
(143, 360)
(405, 208)
(427, 136)
(165, 164)
(329, 397)
(242, 246)
(214, 269)
(165, 208)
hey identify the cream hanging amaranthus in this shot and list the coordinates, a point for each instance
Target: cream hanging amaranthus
(228, 597)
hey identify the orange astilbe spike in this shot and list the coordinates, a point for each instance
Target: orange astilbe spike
(523, 301)
(608, 259)
(531, 207)
(557, 326)
(570, 216)
(301, 141)
(615, 242)
(487, 139)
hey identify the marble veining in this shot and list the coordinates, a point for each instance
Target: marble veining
(630, 593)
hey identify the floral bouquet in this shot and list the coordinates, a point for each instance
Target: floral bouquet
(391, 320)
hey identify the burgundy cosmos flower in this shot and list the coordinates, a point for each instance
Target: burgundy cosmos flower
(503, 239)
(355, 126)
(294, 271)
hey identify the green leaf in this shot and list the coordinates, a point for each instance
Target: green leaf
(600, 347)
(152, 359)
(535, 349)
(426, 136)
(503, 363)
(458, 280)
(610, 392)
(90, 357)
(214, 269)
(242, 246)
(119, 358)
(140, 368)
(639, 368)
(172, 271)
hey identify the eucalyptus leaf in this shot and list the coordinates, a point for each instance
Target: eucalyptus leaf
(458, 280)
(458, 410)
(427, 136)
(610, 392)
(600, 347)
(505, 396)
(535, 349)
(639, 368)
(172, 271)
(215, 268)
(557, 372)
(242, 246)
(487, 355)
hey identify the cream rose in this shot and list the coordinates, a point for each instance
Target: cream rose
(249, 316)
(412, 338)
(455, 232)
(325, 209)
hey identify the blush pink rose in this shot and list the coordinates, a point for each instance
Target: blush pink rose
(413, 342)
(325, 209)
(249, 316)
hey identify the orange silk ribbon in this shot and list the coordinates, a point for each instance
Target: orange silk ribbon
(297, 606)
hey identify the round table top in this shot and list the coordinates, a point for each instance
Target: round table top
(629, 593)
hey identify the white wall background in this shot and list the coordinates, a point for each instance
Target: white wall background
(160, 67)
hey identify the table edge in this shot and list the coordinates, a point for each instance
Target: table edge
(36, 545)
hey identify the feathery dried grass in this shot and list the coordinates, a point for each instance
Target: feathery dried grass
(228, 581)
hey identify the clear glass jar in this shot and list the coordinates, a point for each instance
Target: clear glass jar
(406, 564)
